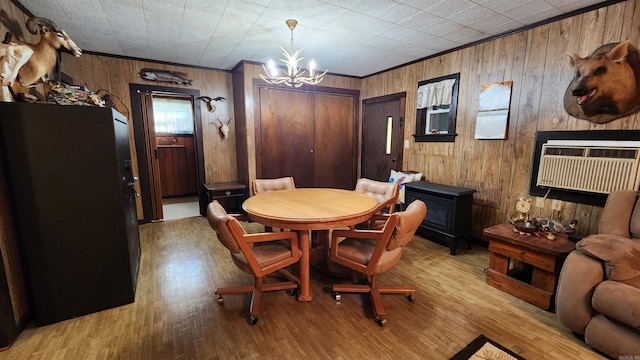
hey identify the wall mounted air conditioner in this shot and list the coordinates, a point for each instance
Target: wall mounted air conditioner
(589, 165)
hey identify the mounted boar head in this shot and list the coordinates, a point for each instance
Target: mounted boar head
(606, 84)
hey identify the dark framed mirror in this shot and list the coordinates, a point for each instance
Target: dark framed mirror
(437, 105)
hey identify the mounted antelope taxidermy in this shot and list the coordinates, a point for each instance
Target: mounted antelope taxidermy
(606, 84)
(24, 65)
(223, 128)
(211, 103)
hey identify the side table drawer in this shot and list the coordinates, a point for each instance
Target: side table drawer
(216, 194)
(537, 259)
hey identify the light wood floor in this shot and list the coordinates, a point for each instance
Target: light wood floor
(176, 315)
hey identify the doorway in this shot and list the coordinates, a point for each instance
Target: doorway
(168, 136)
(382, 136)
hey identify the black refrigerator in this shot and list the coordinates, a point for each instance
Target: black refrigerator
(70, 180)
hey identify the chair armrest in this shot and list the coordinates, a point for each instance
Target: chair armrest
(241, 217)
(619, 254)
(618, 301)
(274, 236)
(380, 216)
(289, 236)
(579, 277)
(357, 234)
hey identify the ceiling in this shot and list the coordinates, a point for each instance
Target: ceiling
(348, 37)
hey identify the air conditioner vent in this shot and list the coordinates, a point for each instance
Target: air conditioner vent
(589, 169)
(563, 151)
(614, 153)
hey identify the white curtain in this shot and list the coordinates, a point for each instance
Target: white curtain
(435, 94)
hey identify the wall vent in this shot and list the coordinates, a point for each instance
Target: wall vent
(595, 167)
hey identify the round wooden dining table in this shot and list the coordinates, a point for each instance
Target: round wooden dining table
(306, 209)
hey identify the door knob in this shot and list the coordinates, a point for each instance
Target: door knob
(131, 186)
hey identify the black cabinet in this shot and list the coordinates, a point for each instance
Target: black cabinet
(230, 195)
(448, 210)
(70, 178)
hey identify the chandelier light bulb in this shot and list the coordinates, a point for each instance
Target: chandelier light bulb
(272, 68)
(312, 67)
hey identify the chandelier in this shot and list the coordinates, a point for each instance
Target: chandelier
(294, 76)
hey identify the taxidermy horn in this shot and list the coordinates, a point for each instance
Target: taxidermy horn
(224, 128)
(211, 102)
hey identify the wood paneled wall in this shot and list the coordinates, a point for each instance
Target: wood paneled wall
(534, 61)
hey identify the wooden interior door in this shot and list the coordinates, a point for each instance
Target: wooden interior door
(335, 164)
(307, 135)
(177, 165)
(286, 136)
(151, 151)
(376, 162)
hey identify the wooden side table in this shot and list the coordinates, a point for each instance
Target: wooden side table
(511, 253)
(230, 195)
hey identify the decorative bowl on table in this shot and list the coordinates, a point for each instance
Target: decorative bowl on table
(526, 226)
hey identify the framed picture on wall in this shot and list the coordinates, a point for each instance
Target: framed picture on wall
(493, 111)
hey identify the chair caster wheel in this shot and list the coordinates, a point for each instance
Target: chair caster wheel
(220, 299)
(411, 297)
(381, 321)
(337, 296)
(253, 320)
(292, 292)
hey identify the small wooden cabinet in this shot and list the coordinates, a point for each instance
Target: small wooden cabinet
(448, 210)
(230, 195)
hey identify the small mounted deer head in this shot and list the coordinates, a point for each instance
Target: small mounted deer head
(223, 128)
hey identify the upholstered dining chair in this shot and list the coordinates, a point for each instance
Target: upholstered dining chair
(275, 252)
(259, 186)
(374, 251)
(385, 194)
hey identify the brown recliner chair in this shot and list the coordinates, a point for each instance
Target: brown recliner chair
(372, 252)
(599, 288)
(385, 194)
(275, 252)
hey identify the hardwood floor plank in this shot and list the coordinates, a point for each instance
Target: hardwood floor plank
(176, 314)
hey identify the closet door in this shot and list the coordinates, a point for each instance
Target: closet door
(308, 135)
(286, 136)
(335, 149)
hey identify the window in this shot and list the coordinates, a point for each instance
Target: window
(437, 121)
(172, 115)
(437, 102)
